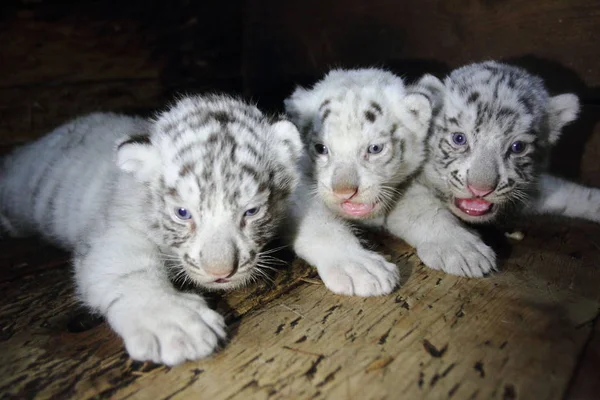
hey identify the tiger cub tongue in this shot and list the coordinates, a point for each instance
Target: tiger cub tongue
(474, 207)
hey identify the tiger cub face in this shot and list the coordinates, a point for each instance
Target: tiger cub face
(491, 137)
(365, 136)
(219, 175)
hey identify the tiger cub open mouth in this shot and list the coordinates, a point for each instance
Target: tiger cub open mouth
(474, 206)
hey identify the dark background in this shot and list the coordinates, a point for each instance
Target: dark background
(59, 59)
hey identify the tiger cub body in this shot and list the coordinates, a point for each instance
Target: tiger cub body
(488, 149)
(365, 137)
(198, 191)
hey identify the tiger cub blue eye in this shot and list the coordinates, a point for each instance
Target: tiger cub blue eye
(320, 148)
(182, 213)
(251, 211)
(375, 148)
(459, 138)
(518, 147)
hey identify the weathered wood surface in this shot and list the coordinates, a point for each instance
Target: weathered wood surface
(517, 334)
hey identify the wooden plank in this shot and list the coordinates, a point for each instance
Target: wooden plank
(292, 42)
(60, 60)
(516, 334)
(76, 42)
(47, 42)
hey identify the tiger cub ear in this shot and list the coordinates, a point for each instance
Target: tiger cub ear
(562, 110)
(432, 88)
(412, 107)
(301, 108)
(288, 136)
(420, 110)
(138, 156)
(415, 111)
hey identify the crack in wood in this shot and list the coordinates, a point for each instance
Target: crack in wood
(509, 392)
(247, 363)
(195, 376)
(414, 328)
(279, 329)
(302, 351)
(453, 390)
(434, 351)
(252, 383)
(301, 339)
(436, 377)
(479, 368)
(402, 301)
(329, 312)
(329, 377)
(310, 373)
(384, 337)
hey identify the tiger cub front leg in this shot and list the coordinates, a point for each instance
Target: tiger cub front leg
(125, 281)
(345, 266)
(441, 240)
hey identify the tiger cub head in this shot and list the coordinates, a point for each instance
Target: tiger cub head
(365, 136)
(491, 137)
(219, 175)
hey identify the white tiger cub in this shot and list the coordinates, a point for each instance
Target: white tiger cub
(200, 189)
(488, 149)
(365, 138)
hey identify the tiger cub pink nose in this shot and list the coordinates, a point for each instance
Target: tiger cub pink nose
(480, 191)
(220, 270)
(345, 193)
